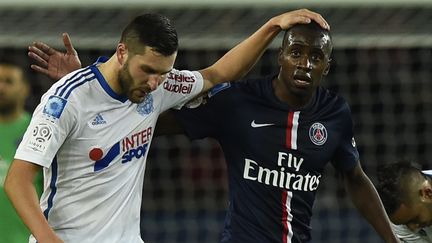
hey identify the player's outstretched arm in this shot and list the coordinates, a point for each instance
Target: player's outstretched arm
(239, 60)
(367, 201)
(21, 191)
(53, 63)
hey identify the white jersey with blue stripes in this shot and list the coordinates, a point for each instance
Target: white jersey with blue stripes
(423, 235)
(93, 145)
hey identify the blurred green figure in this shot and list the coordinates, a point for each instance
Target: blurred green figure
(14, 119)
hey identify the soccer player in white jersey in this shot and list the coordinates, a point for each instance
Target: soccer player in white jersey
(92, 130)
(406, 193)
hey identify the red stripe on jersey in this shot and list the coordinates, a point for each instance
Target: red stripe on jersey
(284, 217)
(287, 232)
(289, 129)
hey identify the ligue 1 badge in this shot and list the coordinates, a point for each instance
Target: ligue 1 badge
(318, 134)
(54, 106)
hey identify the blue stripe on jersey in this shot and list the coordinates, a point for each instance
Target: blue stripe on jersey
(106, 87)
(70, 80)
(77, 85)
(71, 85)
(104, 162)
(52, 186)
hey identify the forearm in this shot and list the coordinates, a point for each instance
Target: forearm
(22, 193)
(367, 201)
(240, 59)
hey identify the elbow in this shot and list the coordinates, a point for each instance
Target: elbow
(11, 183)
(8, 185)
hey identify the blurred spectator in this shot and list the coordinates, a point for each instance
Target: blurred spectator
(14, 119)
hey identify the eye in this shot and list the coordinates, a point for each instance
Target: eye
(9, 81)
(149, 72)
(316, 57)
(295, 53)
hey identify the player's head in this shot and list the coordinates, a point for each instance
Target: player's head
(304, 58)
(406, 194)
(14, 88)
(146, 53)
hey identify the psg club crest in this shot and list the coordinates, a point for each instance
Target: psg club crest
(146, 107)
(318, 134)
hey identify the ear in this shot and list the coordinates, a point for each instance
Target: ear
(280, 56)
(122, 53)
(426, 192)
(327, 69)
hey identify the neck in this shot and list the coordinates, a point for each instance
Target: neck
(110, 70)
(283, 93)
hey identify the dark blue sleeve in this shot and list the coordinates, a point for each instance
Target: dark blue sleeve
(205, 119)
(346, 156)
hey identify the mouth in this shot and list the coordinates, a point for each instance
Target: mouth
(302, 80)
(140, 94)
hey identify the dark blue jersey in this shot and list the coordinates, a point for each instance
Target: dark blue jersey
(275, 155)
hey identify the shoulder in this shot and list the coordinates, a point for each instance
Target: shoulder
(405, 234)
(252, 85)
(332, 102)
(65, 94)
(183, 76)
(72, 82)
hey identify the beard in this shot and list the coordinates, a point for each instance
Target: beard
(125, 81)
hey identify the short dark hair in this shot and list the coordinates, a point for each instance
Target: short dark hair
(312, 26)
(153, 30)
(394, 184)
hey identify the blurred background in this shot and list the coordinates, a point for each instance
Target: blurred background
(382, 64)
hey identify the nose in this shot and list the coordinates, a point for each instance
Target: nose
(154, 81)
(304, 63)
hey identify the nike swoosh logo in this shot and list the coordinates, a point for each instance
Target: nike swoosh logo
(256, 125)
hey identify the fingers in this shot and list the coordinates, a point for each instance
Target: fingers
(68, 45)
(39, 69)
(315, 17)
(39, 56)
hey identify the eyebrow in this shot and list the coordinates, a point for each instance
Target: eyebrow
(148, 68)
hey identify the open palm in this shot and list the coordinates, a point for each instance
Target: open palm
(52, 62)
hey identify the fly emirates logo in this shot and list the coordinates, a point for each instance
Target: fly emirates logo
(292, 180)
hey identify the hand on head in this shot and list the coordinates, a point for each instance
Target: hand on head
(301, 16)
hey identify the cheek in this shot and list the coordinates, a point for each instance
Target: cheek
(318, 71)
(138, 76)
(426, 215)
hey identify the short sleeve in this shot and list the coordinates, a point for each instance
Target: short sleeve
(347, 155)
(51, 123)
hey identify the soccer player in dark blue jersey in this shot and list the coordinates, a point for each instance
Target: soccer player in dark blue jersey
(278, 133)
